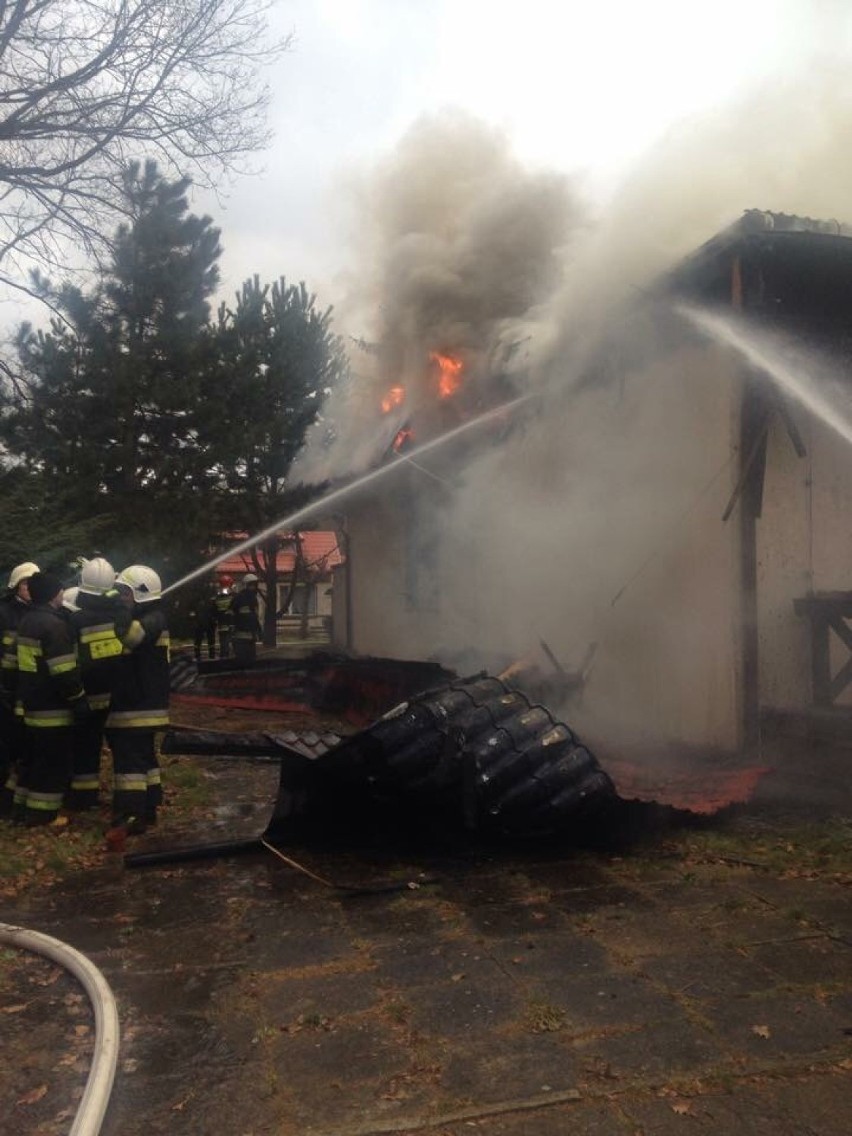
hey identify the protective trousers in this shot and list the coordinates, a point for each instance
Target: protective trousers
(245, 650)
(207, 633)
(86, 770)
(11, 745)
(224, 642)
(20, 774)
(49, 773)
(137, 791)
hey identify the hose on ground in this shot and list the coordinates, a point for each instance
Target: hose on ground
(93, 1105)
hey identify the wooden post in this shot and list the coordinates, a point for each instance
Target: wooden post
(753, 419)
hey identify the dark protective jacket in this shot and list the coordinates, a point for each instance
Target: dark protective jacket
(48, 676)
(99, 627)
(12, 611)
(222, 606)
(140, 691)
(246, 623)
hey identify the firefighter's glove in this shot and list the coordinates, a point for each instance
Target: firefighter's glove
(82, 710)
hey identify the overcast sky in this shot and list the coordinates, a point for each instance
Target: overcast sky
(581, 87)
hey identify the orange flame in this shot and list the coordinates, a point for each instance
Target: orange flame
(394, 397)
(404, 437)
(449, 373)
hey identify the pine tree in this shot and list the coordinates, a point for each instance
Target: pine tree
(108, 394)
(276, 357)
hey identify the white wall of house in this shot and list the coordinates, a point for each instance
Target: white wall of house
(667, 670)
(804, 545)
(667, 663)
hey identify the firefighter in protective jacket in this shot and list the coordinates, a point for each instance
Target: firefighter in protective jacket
(99, 623)
(139, 704)
(51, 695)
(13, 606)
(247, 629)
(224, 615)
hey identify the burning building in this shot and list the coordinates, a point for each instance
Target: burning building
(679, 505)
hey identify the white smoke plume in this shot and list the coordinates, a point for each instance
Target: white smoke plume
(568, 530)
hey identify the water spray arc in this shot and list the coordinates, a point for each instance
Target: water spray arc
(344, 491)
(759, 352)
(756, 348)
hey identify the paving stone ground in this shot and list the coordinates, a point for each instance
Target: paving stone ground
(520, 994)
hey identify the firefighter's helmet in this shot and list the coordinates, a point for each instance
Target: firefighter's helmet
(250, 578)
(142, 581)
(22, 572)
(96, 576)
(69, 599)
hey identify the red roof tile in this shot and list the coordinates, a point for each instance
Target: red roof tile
(320, 550)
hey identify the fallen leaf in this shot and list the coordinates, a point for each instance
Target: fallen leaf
(15, 1009)
(34, 1095)
(682, 1108)
(762, 1031)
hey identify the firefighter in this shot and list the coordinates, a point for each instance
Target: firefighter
(224, 615)
(246, 623)
(139, 705)
(51, 695)
(13, 607)
(99, 621)
(204, 627)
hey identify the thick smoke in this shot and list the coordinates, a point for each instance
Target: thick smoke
(592, 509)
(457, 246)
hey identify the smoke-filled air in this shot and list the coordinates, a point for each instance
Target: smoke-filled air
(474, 274)
(456, 247)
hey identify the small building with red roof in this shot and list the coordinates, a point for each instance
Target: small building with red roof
(311, 556)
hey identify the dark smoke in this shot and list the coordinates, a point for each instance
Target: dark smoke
(458, 246)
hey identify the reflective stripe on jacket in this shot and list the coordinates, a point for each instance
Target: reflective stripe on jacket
(48, 676)
(12, 611)
(140, 693)
(99, 626)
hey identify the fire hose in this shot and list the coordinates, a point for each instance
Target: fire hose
(93, 1105)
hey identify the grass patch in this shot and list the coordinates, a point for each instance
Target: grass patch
(40, 856)
(185, 785)
(397, 1011)
(821, 849)
(545, 1018)
(13, 856)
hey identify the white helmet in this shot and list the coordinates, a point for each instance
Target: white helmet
(250, 578)
(142, 581)
(96, 576)
(22, 572)
(69, 599)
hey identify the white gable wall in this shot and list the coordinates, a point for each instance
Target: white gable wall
(667, 662)
(804, 545)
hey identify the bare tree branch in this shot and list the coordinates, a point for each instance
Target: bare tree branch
(86, 85)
